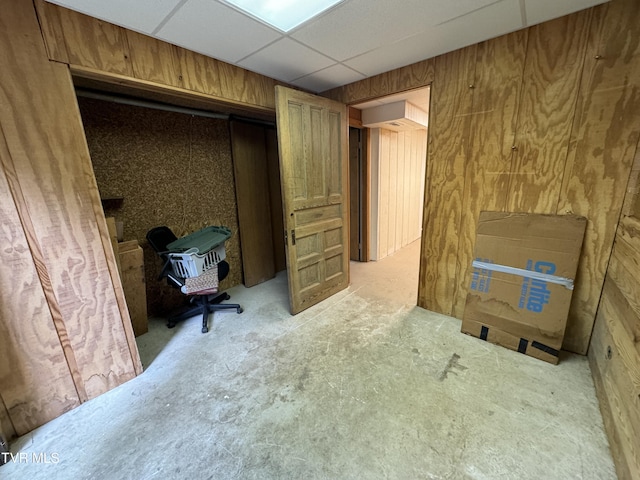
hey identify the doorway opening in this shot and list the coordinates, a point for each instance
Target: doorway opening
(387, 157)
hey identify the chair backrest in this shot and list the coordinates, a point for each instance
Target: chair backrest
(159, 238)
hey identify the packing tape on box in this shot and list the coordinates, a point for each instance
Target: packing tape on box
(523, 343)
(545, 277)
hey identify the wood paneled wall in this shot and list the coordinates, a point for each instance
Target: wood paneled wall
(614, 355)
(248, 143)
(399, 161)
(66, 336)
(60, 271)
(97, 49)
(541, 120)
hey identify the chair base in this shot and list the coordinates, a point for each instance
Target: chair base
(204, 306)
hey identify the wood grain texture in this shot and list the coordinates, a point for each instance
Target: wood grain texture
(103, 49)
(553, 66)
(451, 105)
(416, 75)
(254, 203)
(313, 144)
(113, 236)
(275, 195)
(614, 352)
(52, 31)
(131, 260)
(619, 368)
(631, 206)
(46, 143)
(197, 72)
(36, 384)
(603, 144)
(624, 271)
(352, 91)
(94, 43)
(412, 76)
(599, 362)
(125, 85)
(417, 181)
(496, 96)
(245, 86)
(575, 137)
(152, 59)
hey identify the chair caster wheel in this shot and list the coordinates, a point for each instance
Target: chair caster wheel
(205, 329)
(240, 310)
(171, 324)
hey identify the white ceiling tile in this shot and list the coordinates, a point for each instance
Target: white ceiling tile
(216, 30)
(366, 37)
(286, 60)
(359, 26)
(328, 78)
(142, 15)
(491, 21)
(539, 11)
(441, 12)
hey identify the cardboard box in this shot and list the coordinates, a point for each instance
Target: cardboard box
(522, 281)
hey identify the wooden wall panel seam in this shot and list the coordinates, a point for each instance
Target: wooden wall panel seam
(601, 154)
(215, 102)
(622, 468)
(493, 124)
(576, 112)
(51, 31)
(109, 254)
(112, 52)
(41, 268)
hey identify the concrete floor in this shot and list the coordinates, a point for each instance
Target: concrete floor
(364, 385)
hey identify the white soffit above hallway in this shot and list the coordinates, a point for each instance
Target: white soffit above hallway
(353, 40)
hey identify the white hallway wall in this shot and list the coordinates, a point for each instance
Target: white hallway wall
(398, 161)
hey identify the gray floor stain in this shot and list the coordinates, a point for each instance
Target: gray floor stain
(451, 365)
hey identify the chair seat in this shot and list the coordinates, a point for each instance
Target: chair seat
(199, 287)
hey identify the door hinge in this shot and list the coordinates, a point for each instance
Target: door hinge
(293, 237)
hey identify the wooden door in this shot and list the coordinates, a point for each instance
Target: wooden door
(252, 192)
(313, 141)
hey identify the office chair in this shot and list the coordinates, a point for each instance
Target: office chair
(203, 302)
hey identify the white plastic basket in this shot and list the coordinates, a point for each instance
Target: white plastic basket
(191, 263)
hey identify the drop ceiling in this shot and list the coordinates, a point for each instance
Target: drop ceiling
(351, 41)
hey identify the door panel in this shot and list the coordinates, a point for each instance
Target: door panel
(313, 142)
(254, 212)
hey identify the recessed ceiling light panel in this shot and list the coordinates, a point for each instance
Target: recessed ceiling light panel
(284, 15)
